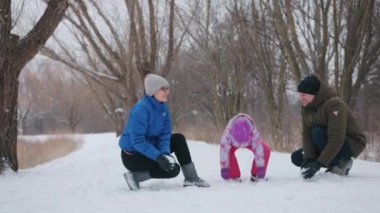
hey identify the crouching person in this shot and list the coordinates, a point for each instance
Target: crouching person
(331, 136)
(147, 142)
(241, 132)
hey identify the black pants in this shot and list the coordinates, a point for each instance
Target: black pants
(140, 163)
(319, 139)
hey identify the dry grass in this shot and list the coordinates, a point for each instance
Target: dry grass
(202, 132)
(34, 151)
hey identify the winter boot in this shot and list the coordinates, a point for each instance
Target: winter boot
(191, 176)
(134, 178)
(255, 179)
(342, 168)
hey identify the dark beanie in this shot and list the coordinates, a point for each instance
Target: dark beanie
(310, 85)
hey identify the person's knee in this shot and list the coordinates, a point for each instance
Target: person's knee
(178, 137)
(174, 172)
(319, 135)
(178, 141)
(297, 157)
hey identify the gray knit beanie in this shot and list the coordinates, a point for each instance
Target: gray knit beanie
(153, 82)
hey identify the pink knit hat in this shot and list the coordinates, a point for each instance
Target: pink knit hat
(241, 129)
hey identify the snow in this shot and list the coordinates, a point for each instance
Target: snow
(90, 180)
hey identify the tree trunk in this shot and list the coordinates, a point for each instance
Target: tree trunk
(14, 54)
(8, 117)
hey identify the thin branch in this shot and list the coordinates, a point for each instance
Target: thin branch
(36, 38)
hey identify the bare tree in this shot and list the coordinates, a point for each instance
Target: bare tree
(26, 100)
(331, 38)
(15, 52)
(268, 65)
(361, 47)
(220, 62)
(57, 101)
(118, 60)
(22, 116)
(237, 57)
(66, 96)
(40, 95)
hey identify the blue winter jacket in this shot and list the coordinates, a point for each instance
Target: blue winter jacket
(148, 129)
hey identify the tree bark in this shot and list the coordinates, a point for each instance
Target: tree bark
(359, 21)
(14, 54)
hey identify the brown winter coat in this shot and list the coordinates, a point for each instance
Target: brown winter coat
(330, 111)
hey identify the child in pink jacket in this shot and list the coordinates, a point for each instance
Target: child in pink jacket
(241, 132)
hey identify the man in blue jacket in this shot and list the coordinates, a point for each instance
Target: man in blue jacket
(147, 141)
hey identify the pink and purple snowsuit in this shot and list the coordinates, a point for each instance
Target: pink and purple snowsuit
(241, 132)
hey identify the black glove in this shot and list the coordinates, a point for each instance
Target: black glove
(164, 162)
(309, 170)
(305, 162)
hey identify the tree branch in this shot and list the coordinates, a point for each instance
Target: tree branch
(37, 37)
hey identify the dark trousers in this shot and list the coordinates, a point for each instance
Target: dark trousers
(319, 139)
(140, 163)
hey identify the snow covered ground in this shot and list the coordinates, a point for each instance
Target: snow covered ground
(90, 180)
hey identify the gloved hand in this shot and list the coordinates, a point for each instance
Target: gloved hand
(225, 173)
(166, 162)
(260, 172)
(309, 170)
(305, 162)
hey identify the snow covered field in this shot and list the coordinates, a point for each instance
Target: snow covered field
(90, 180)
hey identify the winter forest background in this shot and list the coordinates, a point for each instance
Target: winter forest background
(221, 57)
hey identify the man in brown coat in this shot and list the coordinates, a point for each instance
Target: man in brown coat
(330, 133)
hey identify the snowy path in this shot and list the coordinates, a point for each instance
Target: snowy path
(90, 180)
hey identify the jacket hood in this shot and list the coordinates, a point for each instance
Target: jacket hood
(251, 131)
(323, 94)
